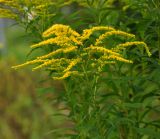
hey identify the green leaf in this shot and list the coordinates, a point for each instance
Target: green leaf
(148, 131)
(133, 105)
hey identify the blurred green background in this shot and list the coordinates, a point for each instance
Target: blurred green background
(25, 111)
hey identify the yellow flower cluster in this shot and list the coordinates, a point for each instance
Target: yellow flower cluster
(70, 53)
(124, 45)
(61, 41)
(67, 74)
(53, 63)
(65, 37)
(87, 32)
(100, 49)
(58, 51)
(7, 14)
(72, 64)
(29, 63)
(114, 57)
(60, 30)
(12, 3)
(46, 63)
(29, 8)
(117, 33)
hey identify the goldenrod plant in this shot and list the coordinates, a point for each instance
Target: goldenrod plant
(110, 83)
(79, 60)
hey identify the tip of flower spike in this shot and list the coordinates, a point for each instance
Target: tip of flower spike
(14, 67)
(149, 54)
(127, 61)
(130, 61)
(33, 46)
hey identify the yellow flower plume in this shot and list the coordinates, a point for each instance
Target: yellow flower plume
(70, 53)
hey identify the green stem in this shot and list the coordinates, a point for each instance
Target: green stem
(122, 131)
(159, 42)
